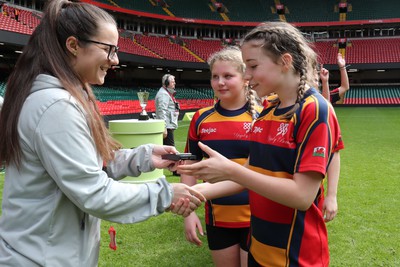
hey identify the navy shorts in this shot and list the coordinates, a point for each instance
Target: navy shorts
(221, 237)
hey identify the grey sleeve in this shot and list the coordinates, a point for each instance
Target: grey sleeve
(67, 151)
(162, 102)
(131, 162)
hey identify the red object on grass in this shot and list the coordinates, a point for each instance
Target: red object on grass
(113, 240)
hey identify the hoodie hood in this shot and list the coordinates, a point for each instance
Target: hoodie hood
(44, 81)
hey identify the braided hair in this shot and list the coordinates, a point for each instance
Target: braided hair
(253, 100)
(278, 38)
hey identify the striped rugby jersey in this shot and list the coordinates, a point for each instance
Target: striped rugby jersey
(226, 131)
(283, 236)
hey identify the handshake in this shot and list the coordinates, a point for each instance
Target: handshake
(185, 199)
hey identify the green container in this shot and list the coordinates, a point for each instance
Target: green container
(133, 133)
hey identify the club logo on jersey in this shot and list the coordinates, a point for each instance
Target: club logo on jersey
(208, 130)
(247, 127)
(283, 128)
(257, 129)
(319, 151)
(281, 136)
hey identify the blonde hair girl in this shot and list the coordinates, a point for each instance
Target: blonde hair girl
(225, 127)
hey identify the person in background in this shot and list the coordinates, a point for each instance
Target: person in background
(336, 94)
(55, 191)
(291, 145)
(330, 204)
(4, 10)
(225, 127)
(16, 13)
(167, 109)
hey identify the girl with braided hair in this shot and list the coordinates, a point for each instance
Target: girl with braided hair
(291, 145)
(224, 127)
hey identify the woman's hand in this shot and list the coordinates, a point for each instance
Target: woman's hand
(160, 163)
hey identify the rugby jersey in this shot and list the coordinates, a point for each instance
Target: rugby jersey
(334, 95)
(280, 235)
(226, 131)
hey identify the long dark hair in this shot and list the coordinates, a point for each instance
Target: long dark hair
(46, 53)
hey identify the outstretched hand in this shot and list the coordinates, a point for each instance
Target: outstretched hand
(185, 199)
(214, 169)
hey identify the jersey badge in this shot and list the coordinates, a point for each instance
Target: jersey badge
(319, 151)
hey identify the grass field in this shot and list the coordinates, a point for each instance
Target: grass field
(366, 231)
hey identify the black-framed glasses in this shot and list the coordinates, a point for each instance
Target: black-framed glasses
(112, 49)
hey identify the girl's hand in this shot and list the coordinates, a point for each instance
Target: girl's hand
(340, 61)
(192, 225)
(324, 75)
(214, 169)
(330, 208)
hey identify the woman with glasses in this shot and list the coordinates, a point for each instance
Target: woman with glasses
(54, 144)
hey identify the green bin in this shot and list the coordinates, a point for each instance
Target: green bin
(133, 133)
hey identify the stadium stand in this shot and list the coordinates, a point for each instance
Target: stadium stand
(373, 95)
(309, 11)
(327, 51)
(379, 50)
(140, 5)
(193, 9)
(203, 48)
(124, 100)
(164, 47)
(362, 10)
(8, 22)
(382, 50)
(257, 11)
(130, 46)
(2, 88)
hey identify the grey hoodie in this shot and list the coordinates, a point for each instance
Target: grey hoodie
(52, 204)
